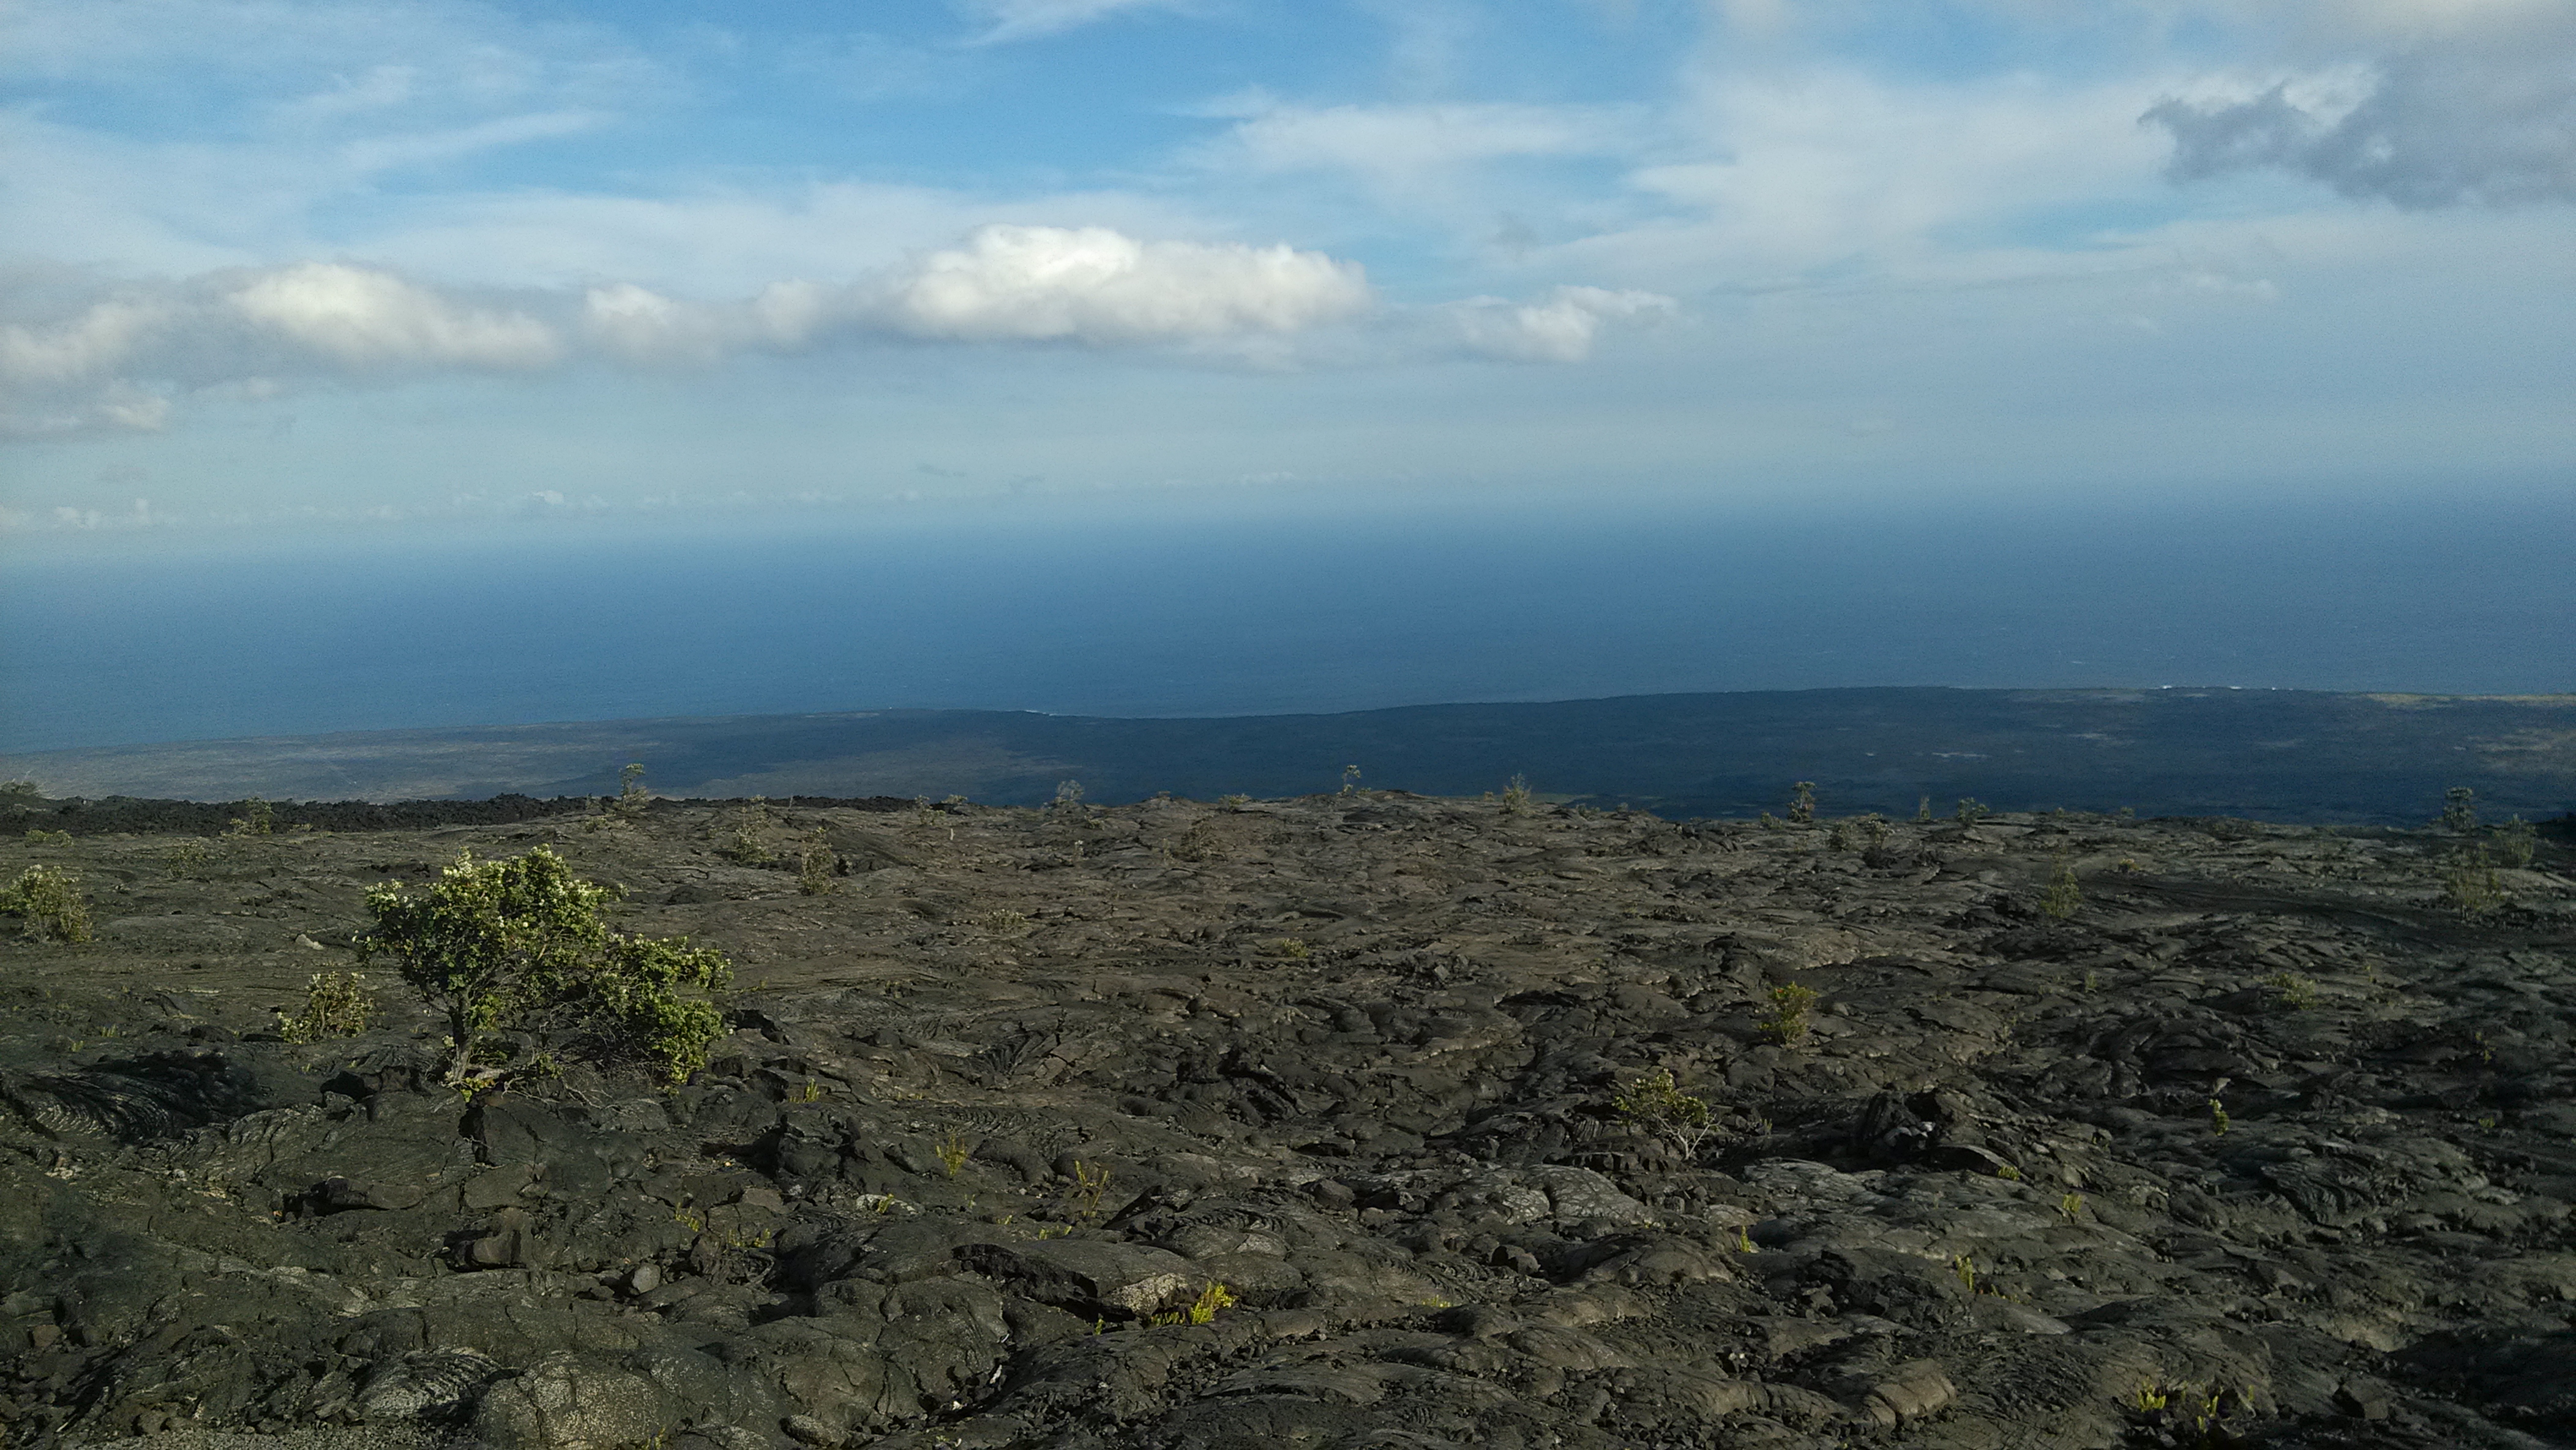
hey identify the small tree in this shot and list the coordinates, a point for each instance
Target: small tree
(495, 944)
(1802, 803)
(50, 897)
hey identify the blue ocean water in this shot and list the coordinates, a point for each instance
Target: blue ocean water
(1140, 607)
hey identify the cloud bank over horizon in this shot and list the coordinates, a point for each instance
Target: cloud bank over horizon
(1744, 242)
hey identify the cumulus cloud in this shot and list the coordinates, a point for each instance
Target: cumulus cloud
(1560, 327)
(1091, 284)
(117, 361)
(2477, 113)
(360, 316)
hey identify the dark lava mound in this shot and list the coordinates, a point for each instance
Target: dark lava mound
(1337, 1122)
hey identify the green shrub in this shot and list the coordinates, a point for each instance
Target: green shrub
(2470, 883)
(37, 836)
(336, 1004)
(1971, 811)
(1802, 803)
(1654, 1104)
(257, 819)
(21, 792)
(49, 897)
(2063, 894)
(817, 865)
(2291, 990)
(2459, 810)
(519, 943)
(1516, 796)
(633, 800)
(2516, 843)
(1787, 1022)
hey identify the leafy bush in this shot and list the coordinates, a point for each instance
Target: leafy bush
(1802, 803)
(336, 1004)
(2063, 894)
(2459, 810)
(519, 943)
(1516, 796)
(2470, 883)
(1787, 1024)
(817, 865)
(49, 897)
(1655, 1104)
(1971, 811)
(2516, 842)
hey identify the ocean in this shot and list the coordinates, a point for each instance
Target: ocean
(1223, 606)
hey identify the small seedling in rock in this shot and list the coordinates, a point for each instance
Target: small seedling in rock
(2092, 982)
(2071, 1207)
(2063, 894)
(1090, 1187)
(1653, 1104)
(811, 1092)
(1516, 796)
(1291, 948)
(1966, 1268)
(1802, 803)
(1744, 1242)
(1787, 1023)
(1971, 810)
(336, 1004)
(1214, 1297)
(952, 1153)
(2218, 1119)
(2009, 1173)
(2291, 990)
(49, 897)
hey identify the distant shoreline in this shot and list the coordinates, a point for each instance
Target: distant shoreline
(2289, 755)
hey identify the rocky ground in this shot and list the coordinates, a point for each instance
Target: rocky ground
(2265, 1140)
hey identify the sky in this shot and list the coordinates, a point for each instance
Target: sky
(272, 265)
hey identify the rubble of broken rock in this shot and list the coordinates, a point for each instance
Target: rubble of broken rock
(2257, 1137)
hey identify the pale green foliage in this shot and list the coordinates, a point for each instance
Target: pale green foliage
(1351, 780)
(2291, 990)
(336, 1004)
(257, 819)
(1787, 1023)
(1516, 796)
(1923, 811)
(1655, 1104)
(817, 865)
(2063, 894)
(633, 800)
(2470, 883)
(1972, 810)
(2516, 843)
(50, 897)
(507, 943)
(37, 836)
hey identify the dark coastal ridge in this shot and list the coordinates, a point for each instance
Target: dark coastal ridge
(2279, 755)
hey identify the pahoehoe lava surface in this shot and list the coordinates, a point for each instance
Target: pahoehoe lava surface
(2267, 1141)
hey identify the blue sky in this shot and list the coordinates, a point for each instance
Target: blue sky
(277, 263)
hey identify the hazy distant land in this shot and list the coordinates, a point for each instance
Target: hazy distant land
(2280, 755)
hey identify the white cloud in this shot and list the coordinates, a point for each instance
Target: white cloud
(1091, 284)
(359, 316)
(1010, 20)
(1560, 328)
(94, 342)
